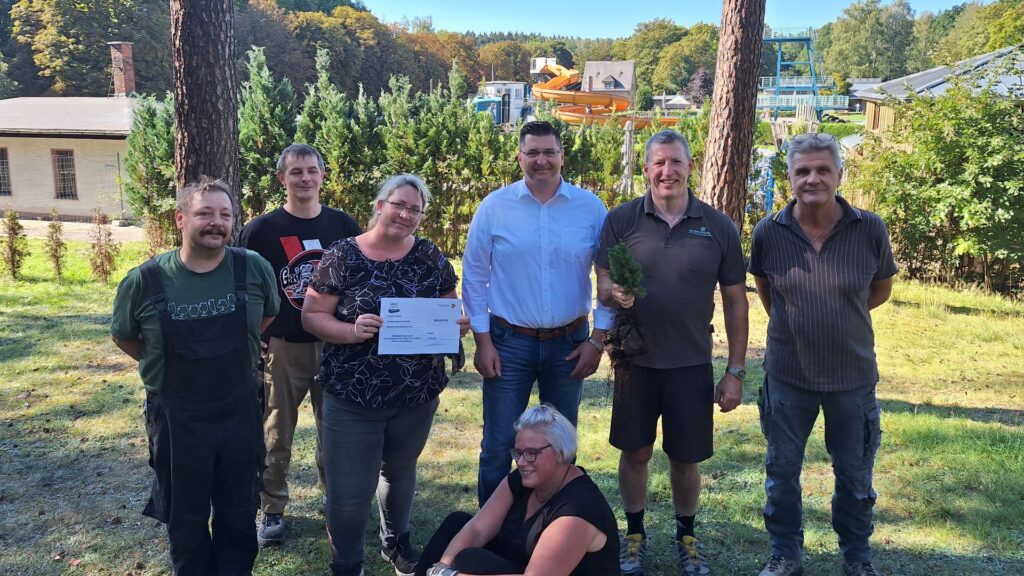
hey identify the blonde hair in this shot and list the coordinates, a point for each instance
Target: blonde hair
(394, 183)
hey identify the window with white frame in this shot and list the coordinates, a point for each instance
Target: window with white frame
(5, 173)
(64, 184)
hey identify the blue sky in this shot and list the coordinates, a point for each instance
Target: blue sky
(604, 18)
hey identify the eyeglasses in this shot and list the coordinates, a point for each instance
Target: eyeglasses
(406, 209)
(534, 154)
(529, 454)
(817, 137)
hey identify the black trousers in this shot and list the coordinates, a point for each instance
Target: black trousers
(471, 560)
(206, 459)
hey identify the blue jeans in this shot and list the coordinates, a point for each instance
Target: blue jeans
(524, 360)
(852, 437)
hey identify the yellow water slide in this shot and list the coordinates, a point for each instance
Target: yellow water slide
(560, 77)
(586, 107)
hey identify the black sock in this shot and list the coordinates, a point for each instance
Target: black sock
(635, 523)
(684, 526)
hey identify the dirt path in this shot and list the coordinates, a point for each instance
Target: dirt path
(81, 230)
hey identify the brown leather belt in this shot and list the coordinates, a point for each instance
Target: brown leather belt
(544, 333)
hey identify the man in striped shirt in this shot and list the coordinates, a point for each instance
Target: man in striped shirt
(820, 266)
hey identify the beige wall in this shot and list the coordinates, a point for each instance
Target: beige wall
(32, 178)
(878, 117)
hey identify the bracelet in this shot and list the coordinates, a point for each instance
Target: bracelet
(596, 344)
(354, 333)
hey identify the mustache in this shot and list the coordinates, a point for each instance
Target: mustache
(214, 230)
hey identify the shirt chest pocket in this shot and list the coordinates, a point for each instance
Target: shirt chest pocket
(574, 245)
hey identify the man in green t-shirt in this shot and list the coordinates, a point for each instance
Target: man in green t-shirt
(192, 317)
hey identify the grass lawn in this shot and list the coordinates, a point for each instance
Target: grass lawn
(950, 474)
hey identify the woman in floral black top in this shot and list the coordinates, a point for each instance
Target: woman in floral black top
(377, 409)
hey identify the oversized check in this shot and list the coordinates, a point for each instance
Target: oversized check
(419, 326)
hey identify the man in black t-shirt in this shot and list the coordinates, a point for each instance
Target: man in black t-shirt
(292, 238)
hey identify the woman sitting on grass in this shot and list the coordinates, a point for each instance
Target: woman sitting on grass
(546, 518)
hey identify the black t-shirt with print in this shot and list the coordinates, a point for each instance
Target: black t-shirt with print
(294, 246)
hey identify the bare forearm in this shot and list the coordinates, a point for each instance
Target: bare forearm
(764, 293)
(604, 287)
(736, 313)
(326, 327)
(880, 292)
(736, 331)
(482, 339)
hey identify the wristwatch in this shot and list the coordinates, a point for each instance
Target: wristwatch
(596, 344)
(739, 373)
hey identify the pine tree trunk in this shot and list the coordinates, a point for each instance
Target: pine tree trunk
(733, 107)
(205, 95)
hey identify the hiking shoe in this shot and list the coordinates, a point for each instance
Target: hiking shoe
(271, 529)
(860, 569)
(779, 566)
(691, 557)
(400, 555)
(631, 555)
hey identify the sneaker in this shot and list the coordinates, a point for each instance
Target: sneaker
(400, 555)
(779, 566)
(631, 555)
(860, 569)
(691, 557)
(271, 529)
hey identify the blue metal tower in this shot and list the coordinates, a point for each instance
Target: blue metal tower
(780, 92)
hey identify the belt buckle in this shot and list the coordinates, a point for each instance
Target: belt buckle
(546, 333)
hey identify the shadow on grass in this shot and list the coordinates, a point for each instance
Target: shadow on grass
(958, 310)
(1000, 415)
(27, 334)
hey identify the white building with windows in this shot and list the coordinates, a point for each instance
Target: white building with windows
(509, 99)
(64, 153)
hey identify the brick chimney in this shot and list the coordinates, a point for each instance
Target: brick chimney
(122, 69)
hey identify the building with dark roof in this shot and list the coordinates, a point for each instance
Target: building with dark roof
(66, 153)
(615, 77)
(880, 116)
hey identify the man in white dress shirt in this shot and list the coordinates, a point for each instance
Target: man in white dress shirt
(527, 290)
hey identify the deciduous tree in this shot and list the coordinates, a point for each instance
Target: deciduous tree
(67, 39)
(701, 84)
(949, 180)
(506, 60)
(870, 40)
(678, 61)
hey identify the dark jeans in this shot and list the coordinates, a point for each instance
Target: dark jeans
(471, 560)
(524, 360)
(369, 450)
(852, 436)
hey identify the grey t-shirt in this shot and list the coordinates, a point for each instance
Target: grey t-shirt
(819, 329)
(682, 264)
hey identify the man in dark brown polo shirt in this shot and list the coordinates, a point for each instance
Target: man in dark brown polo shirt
(686, 248)
(820, 266)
